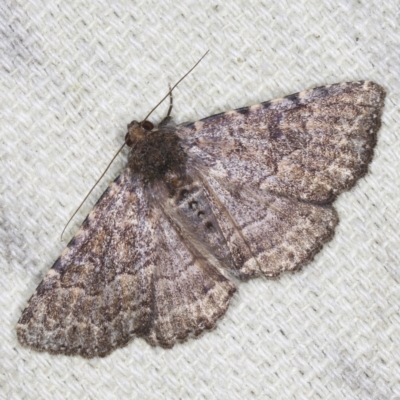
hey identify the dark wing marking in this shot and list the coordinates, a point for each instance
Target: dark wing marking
(311, 145)
(126, 273)
(190, 209)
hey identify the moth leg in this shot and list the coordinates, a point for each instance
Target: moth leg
(167, 121)
(171, 101)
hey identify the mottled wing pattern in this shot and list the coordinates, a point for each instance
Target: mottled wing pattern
(267, 233)
(271, 171)
(310, 145)
(248, 191)
(126, 273)
(249, 232)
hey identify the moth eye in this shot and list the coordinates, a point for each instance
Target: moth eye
(147, 125)
(200, 214)
(128, 140)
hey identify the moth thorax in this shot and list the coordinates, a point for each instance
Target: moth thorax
(157, 153)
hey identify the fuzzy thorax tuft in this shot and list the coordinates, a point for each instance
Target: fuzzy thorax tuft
(155, 152)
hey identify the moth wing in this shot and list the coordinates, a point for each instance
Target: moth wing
(126, 273)
(311, 145)
(248, 232)
(267, 233)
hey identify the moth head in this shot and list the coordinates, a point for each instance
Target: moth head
(137, 131)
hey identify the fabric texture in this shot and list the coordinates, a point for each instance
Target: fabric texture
(74, 74)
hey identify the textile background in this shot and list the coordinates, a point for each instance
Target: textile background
(74, 74)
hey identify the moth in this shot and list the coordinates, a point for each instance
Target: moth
(199, 207)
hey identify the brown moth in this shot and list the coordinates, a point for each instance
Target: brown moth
(236, 195)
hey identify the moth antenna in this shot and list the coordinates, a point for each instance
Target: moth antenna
(91, 190)
(176, 84)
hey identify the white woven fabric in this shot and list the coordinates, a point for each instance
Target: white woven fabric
(74, 73)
